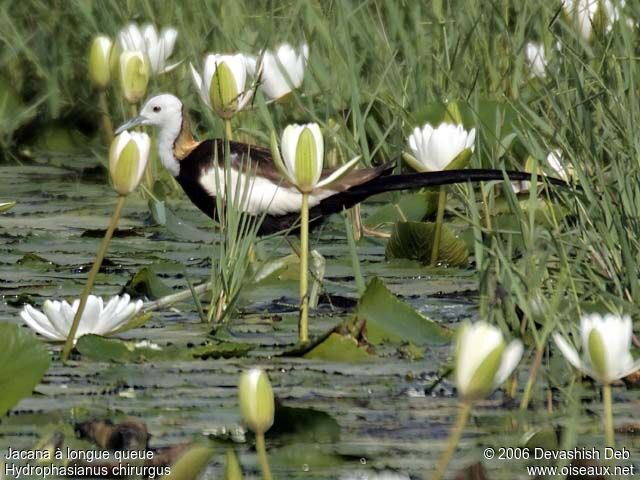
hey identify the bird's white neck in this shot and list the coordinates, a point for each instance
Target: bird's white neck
(167, 137)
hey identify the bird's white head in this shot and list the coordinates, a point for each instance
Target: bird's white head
(164, 112)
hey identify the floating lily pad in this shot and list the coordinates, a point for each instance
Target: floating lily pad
(410, 207)
(339, 348)
(102, 349)
(147, 284)
(23, 362)
(191, 463)
(389, 318)
(414, 240)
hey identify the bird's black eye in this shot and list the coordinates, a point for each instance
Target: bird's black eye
(156, 109)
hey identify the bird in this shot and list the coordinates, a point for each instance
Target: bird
(198, 166)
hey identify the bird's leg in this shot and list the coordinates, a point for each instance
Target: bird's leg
(360, 229)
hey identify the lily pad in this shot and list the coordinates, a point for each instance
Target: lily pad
(191, 463)
(23, 362)
(339, 348)
(102, 349)
(414, 241)
(145, 283)
(389, 318)
(411, 207)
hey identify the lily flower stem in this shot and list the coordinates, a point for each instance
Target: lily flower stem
(107, 125)
(113, 223)
(303, 326)
(262, 455)
(228, 132)
(607, 404)
(442, 203)
(531, 381)
(454, 439)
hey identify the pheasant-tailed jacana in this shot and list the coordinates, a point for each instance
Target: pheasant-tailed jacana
(193, 164)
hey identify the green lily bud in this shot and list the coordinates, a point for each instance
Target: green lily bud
(233, 470)
(99, 68)
(257, 404)
(128, 158)
(134, 75)
(223, 92)
(452, 114)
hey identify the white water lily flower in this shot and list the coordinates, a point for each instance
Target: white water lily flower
(157, 47)
(97, 318)
(282, 70)
(583, 14)
(536, 61)
(606, 347)
(435, 148)
(128, 157)
(302, 157)
(223, 81)
(483, 361)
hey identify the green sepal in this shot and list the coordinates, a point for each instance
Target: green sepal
(597, 353)
(126, 168)
(306, 162)
(481, 383)
(223, 91)
(413, 162)
(461, 161)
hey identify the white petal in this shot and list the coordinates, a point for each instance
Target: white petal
(510, 359)
(288, 146)
(570, 353)
(197, 81)
(169, 36)
(39, 322)
(59, 321)
(475, 343)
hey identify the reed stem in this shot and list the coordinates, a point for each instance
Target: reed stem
(442, 203)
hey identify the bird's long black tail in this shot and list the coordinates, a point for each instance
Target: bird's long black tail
(389, 183)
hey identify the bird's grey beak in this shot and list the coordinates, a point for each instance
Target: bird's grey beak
(134, 122)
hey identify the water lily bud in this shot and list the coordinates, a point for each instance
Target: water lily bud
(483, 360)
(128, 158)
(452, 113)
(222, 84)
(134, 75)
(445, 147)
(257, 404)
(302, 157)
(99, 68)
(606, 347)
